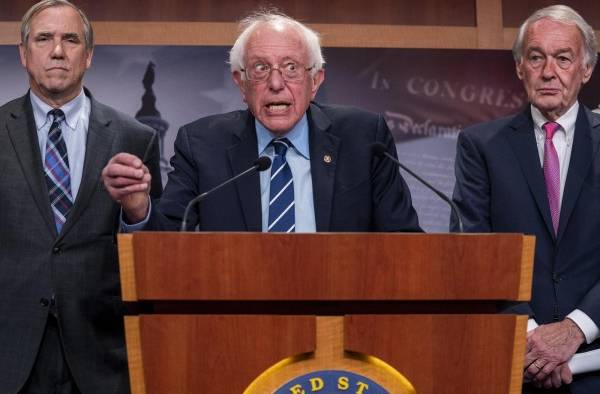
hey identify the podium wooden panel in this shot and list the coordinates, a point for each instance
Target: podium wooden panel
(212, 311)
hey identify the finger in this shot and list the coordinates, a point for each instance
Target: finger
(544, 370)
(556, 378)
(543, 373)
(119, 170)
(529, 359)
(123, 192)
(547, 382)
(120, 182)
(126, 159)
(549, 367)
(531, 371)
(565, 374)
(534, 368)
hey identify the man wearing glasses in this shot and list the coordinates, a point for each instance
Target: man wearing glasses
(324, 176)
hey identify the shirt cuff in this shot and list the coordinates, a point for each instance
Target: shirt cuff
(586, 325)
(129, 228)
(531, 325)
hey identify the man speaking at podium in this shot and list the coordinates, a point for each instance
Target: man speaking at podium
(538, 172)
(324, 176)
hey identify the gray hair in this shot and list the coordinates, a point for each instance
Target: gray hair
(566, 15)
(88, 32)
(311, 38)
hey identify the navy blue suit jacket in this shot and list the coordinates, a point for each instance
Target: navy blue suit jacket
(355, 191)
(500, 188)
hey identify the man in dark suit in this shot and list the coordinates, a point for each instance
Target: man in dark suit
(61, 326)
(324, 176)
(538, 172)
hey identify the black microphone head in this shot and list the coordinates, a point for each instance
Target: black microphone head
(262, 163)
(379, 149)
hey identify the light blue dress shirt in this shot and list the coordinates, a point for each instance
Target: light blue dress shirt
(298, 159)
(74, 131)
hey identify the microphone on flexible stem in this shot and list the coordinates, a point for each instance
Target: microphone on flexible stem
(261, 164)
(380, 150)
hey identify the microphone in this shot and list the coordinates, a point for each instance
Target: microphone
(380, 150)
(261, 164)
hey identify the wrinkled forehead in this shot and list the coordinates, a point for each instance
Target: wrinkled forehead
(276, 41)
(59, 16)
(553, 32)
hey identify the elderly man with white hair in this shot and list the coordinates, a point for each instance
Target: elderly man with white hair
(538, 172)
(324, 176)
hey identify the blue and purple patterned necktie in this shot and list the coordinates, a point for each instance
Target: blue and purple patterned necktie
(56, 168)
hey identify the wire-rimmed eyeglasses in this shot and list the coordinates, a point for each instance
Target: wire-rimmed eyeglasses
(290, 71)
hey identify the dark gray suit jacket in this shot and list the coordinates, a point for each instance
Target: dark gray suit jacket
(79, 265)
(500, 188)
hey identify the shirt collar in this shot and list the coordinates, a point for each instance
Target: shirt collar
(72, 110)
(298, 136)
(566, 121)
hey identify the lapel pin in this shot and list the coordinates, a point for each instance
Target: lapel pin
(327, 159)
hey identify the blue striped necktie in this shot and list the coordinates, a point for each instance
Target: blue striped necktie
(282, 216)
(56, 168)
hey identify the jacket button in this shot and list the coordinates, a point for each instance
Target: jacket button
(556, 277)
(44, 302)
(56, 250)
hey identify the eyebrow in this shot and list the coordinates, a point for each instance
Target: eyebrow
(64, 35)
(43, 34)
(70, 35)
(282, 61)
(559, 50)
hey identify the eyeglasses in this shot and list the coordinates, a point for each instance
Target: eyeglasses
(290, 72)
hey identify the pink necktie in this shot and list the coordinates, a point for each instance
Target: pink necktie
(552, 173)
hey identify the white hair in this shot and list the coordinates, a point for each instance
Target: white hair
(248, 25)
(566, 15)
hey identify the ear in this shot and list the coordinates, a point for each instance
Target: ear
(519, 68)
(317, 80)
(88, 60)
(587, 73)
(23, 54)
(241, 84)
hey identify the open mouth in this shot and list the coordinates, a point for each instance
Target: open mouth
(278, 107)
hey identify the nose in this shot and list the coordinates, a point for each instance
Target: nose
(275, 80)
(58, 50)
(549, 68)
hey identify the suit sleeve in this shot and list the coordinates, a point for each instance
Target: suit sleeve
(472, 197)
(392, 203)
(472, 187)
(182, 187)
(590, 304)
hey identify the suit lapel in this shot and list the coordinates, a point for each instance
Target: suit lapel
(97, 153)
(522, 139)
(585, 147)
(324, 148)
(241, 156)
(22, 132)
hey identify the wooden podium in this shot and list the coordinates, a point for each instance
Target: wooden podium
(211, 312)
